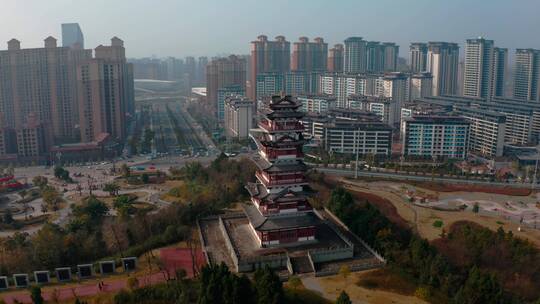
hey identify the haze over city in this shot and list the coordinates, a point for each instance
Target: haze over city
(212, 27)
(270, 152)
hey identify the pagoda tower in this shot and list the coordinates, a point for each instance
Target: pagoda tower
(280, 214)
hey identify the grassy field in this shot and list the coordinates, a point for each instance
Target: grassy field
(373, 287)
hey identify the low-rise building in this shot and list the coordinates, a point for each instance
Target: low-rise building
(435, 136)
(365, 134)
(363, 137)
(522, 119)
(487, 130)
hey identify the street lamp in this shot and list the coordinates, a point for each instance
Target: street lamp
(356, 144)
(535, 169)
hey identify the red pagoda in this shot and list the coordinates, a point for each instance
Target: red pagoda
(281, 214)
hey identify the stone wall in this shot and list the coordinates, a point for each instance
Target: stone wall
(331, 254)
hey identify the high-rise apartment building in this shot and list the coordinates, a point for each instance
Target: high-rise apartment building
(105, 85)
(442, 63)
(72, 36)
(484, 69)
(309, 56)
(527, 75)
(390, 56)
(420, 85)
(374, 56)
(335, 58)
(381, 57)
(395, 86)
(418, 57)
(268, 56)
(190, 70)
(200, 73)
(61, 95)
(355, 59)
(500, 62)
(41, 82)
(224, 72)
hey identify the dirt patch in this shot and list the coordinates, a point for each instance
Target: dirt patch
(333, 286)
(384, 279)
(439, 187)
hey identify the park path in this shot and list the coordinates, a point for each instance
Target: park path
(172, 258)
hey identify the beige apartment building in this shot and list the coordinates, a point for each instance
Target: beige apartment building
(41, 81)
(41, 104)
(238, 117)
(102, 84)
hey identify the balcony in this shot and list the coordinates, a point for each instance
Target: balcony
(300, 179)
(277, 127)
(282, 154)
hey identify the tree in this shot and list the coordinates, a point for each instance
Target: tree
(479, 288)
(343, 298)
(61, 173)
(35, 294)
(268, 286)
(112, 188)
(145, 178)
(422, 293)
(40, 181)
(23, 193)
(132, 283)
(294, 282)
(344, 271)
(8, 217)
(92, 207)
(475, 208)
(125, 170)
(51, 197)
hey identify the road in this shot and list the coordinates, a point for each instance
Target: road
(399, 176)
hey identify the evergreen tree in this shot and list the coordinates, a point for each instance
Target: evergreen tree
(268, 286)
(35, 294)
(343, 298)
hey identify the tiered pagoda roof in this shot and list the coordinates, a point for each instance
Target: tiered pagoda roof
(262, 223)
(259, 191)
(267, 166)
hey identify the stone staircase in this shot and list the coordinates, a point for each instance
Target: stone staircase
(301, 265)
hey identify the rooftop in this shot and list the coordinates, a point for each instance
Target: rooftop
(262, 223)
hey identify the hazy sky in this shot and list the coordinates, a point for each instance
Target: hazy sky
(211, 27)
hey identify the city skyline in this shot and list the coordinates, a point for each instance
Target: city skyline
(403, 23)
